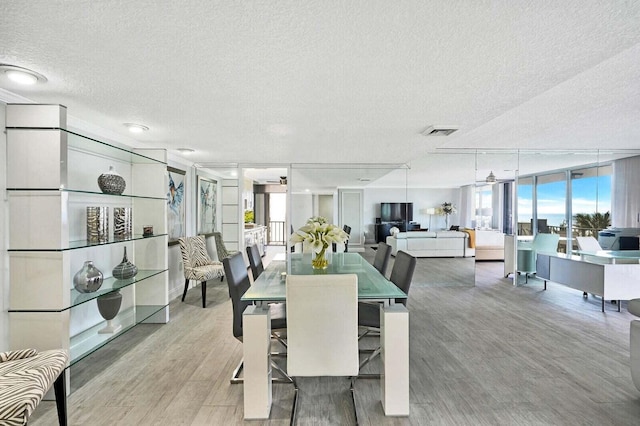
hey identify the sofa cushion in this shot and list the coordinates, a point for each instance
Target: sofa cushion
(420, 234)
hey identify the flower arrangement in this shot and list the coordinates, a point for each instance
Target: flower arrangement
(318, 233)
(446, 209)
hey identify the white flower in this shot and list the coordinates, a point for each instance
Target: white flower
(318, 233)
(446, 208)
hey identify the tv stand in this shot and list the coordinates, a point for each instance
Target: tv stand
(383, 229)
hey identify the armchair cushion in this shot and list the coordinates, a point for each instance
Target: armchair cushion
(14, 355)
(25, 377)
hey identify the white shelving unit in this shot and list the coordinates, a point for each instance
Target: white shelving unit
(51, 178)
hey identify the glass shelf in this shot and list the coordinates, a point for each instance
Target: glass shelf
(94, 146)
(80, 191)
(89, 341)
(110, 285)
(80, 244)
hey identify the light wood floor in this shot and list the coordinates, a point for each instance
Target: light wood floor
(490, 354)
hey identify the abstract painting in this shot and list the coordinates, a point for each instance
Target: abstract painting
(176, 205)
(206, 211)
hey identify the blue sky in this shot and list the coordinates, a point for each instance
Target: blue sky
(590, 194)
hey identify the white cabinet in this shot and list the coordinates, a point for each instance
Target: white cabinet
(51, 180)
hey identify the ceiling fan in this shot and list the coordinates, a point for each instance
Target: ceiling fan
(491, 179)
(282, 181)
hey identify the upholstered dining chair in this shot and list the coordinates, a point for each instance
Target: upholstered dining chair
(322, 328)
(238, 282)
(198, 265)
(369, 313)
(381, 261)
(255, 261)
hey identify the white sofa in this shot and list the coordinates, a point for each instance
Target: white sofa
(488, 245)
(430, 243)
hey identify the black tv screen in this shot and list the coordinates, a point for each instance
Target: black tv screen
(396, 212)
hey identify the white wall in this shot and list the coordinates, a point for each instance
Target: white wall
(4, 238)
(422, 198)
(301, 209)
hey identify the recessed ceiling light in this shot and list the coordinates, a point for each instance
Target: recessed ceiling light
(186, 150)
(22, 75)
(136, 128)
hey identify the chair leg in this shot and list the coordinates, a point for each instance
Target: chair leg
(294, 409)
(60, 390)
(186, 287)
(204, 294)
(353, 399)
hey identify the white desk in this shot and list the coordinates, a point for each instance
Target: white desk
(611, 281)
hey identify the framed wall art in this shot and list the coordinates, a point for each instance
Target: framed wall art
(176, 205)
(206, 209)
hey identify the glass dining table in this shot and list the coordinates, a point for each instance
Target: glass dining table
(270, 287)
(372, 286)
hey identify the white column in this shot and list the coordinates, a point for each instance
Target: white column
(256, 330)
(394, 342)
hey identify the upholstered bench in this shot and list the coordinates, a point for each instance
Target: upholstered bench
(25, 377)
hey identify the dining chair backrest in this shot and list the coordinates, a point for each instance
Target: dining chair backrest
(402, 273)
(546, 243)
(322, 325)
(588, 244)
(383, 254)
(238, 281)
(255, 260)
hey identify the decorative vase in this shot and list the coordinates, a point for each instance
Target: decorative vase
(125, 269)
(88, 279)
(108, 306)
(319, 260)
(122, 223)
(98, 224)
(111, 182)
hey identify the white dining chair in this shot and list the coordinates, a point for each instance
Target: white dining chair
(322, 328)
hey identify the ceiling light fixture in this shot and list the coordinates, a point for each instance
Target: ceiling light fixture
(491, 179)
(21, 75)
(136, 128)
(439, 130)
(185, 150)
(283, 180)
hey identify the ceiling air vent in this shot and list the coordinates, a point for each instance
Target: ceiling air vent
(439, 130)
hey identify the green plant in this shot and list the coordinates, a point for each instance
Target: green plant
(592, 222)
(248, 216)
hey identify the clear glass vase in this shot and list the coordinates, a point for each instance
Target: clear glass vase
(320, 260)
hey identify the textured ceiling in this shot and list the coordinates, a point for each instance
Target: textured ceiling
(276, 82)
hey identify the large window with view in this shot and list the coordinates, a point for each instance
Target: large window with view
(590, 200)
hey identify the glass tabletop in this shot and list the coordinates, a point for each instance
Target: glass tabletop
(611, 254)
(372, 285)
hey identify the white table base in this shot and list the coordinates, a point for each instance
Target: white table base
(394, 344)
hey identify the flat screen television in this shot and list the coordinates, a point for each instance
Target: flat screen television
(396, 212)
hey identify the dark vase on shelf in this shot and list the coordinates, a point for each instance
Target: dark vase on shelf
(111, 182)
(109, 306)
(125, 269)
(88, 279)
